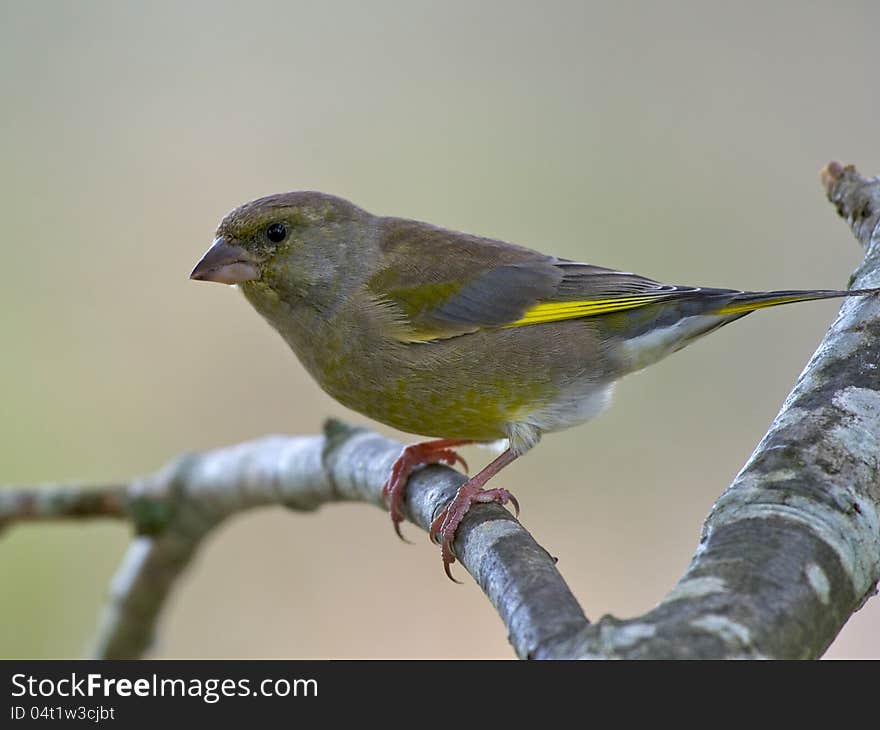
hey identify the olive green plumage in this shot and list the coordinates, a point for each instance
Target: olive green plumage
(447, 334)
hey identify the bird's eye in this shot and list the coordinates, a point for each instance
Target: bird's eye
(276, 233)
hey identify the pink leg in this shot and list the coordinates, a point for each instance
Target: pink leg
(470, 493)
(411, 458)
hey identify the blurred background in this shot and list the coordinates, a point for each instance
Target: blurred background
(680, 140)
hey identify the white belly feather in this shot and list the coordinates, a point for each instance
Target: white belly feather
(578, 404)
(639, 352)
(583, 401)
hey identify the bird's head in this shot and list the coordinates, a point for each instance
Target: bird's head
(290, 241)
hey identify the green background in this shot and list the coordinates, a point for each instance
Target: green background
(681, 140)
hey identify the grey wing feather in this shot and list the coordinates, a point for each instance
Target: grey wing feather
(501, 295)
(587, 281)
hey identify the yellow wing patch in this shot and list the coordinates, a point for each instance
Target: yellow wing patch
(555, 311)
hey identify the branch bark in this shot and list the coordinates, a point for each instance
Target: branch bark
(790, 550)
(175, 508)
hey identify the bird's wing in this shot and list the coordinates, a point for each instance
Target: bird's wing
(443, 284)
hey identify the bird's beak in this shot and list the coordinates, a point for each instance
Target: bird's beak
(226, 263)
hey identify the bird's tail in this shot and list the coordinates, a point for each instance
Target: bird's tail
(750, 301)
(702, 311)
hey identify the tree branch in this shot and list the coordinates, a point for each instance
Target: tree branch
(787, 554)
(175, 508)
(792, 547)
(62, 501)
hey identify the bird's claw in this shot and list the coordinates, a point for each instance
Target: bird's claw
(445, 525)
(412, 458)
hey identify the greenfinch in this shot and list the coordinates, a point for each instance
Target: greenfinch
(455, 336)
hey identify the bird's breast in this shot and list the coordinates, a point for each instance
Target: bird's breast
(472, 386)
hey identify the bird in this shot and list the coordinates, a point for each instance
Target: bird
(453, 336)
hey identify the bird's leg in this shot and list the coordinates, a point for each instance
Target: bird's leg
(468, 494)
(411, 458)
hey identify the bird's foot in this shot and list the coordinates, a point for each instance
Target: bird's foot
(444, 527)
(439, 451)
